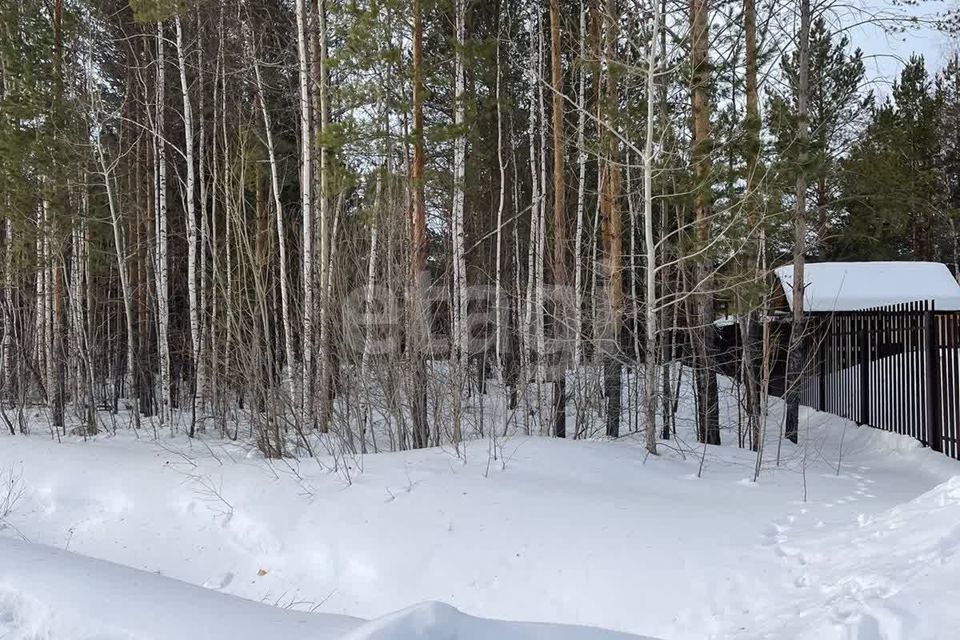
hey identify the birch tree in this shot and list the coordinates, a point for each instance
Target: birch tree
(160, 256)
(306, 207)
(199, 382)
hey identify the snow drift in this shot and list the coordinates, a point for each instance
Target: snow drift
(50, 594)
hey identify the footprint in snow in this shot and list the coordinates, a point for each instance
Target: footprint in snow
(222, 583)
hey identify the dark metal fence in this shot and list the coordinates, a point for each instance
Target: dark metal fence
(895, 368)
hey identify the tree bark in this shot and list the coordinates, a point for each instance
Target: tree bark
(559, 266)
(418, 247)
(612, 232)
(751, 197)
(199, 381)
(796, 356)
(706, 377)
(460, 346)
(650, 350)
(306, 207)
(161, 269)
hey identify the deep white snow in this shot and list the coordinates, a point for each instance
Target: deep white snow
(589, 533)
(849, 286)
(52, 593)
(55, 594)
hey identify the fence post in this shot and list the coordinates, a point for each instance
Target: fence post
(822, 368)
(864, 372)
(932, 379)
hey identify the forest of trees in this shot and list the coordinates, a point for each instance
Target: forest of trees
(361, 217)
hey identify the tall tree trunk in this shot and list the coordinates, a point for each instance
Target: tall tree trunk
(559, 266)
(650, 350)
(578, 283)
(161, 269)
(460, 346)
(796, 355)
(9, 372)
(531, 314)
(306, 206)
(202, 244)
(323, 214)
(706, 377)
(501, 204)
(418, 248)
(199, 374)
(541, 243)
(369, 300)
(8, 375)
(751, 272)
(612, 231)
(58, 241)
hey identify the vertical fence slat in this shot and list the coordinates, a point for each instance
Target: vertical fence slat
(919, 370)
(912, 381)
(834, 369)
(946, 396)
(950, 390)
(822, 367)
(898, 373)
(863, 340)
(852, 381)
(882, 421)
(932, 380)
(921, 374)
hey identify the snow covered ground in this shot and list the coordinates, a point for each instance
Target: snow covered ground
(54, 594)
(589, 533)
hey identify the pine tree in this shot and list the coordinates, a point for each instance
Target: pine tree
(894, 190)
(838, 104)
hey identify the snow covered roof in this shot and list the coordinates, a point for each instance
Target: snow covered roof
(848, 286)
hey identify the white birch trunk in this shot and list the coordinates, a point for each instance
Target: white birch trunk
(192, 226)
(162, 275)
(528, 332)
(202, 244)
(368, 299)
(461, 339)
(542, 216)
(498, 273)
(581, 196)
(306, 195)
(40, 314)
(8, 370)
(459, 175)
